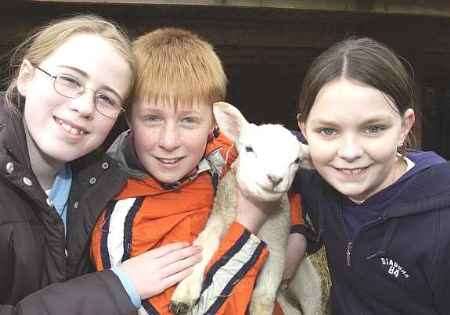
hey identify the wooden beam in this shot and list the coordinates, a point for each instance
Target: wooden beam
(407, 7)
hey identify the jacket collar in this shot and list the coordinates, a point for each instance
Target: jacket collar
(14, 159)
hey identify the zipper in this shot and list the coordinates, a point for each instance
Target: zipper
(349, 253)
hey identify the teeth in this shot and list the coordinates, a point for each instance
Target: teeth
(70, 129)
(354, 171)
(168, 161)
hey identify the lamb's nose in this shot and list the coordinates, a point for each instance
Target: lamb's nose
(274, 179)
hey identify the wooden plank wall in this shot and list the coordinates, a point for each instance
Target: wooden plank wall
(265, 51)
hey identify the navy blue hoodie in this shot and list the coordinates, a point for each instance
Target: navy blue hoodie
(398, 261)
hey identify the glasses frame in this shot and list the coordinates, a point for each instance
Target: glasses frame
(55, 77)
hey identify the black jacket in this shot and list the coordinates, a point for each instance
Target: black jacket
(36, 259)
(397, 263)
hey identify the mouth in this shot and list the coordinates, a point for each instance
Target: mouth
(352, 172)
(70, 128)
(169, 161)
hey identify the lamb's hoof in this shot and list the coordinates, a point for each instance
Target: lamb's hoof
(179, 308)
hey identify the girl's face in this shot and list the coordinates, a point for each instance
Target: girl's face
(353, 132)
(63, 129)
(170, 140)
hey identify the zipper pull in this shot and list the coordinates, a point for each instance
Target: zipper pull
(349, 253)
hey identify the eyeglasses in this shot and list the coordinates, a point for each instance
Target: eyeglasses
(106, 103)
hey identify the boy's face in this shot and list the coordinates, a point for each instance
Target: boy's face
(170, 140)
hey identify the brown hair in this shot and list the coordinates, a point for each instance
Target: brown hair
(177, 66)
(364, 60)
(48, 38)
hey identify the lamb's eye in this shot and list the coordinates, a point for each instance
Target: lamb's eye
(297, 161)
(248, 149)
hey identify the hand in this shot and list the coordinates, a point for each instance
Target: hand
(252, 213)
(158, 269)
(296, 249)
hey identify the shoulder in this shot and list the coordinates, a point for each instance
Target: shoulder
(223, 145)
(97, 172)
(430, 180)
(309, 182)
(220, 153)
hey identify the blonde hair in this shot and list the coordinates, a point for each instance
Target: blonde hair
(47, 39)
(177, 66)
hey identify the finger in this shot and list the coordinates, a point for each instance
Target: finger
(176, 277)
(166, 249)
(178, 254)
(180, 265)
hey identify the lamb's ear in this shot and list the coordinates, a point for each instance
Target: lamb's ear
(229, 119)
(305, 158)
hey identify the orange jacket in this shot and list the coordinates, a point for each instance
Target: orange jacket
(146, 216)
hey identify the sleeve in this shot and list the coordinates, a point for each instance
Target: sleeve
(232, 273)
(305, 197)
(128, 286)
(95, 293)
(297, 222)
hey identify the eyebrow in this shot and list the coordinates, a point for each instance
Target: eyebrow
(366, 122)
(84, 74)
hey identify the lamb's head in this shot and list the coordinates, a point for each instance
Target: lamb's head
(269, 154)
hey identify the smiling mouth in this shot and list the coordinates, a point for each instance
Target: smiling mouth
(70, 128)
(169, 161)
(352, 171)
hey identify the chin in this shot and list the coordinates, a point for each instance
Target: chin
(260, 194)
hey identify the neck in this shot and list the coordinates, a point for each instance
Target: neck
(44, 167)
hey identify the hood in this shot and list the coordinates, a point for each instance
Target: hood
(122, 150)
(426, 187)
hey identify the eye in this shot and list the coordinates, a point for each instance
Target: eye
(326, 131)
(248, 149)
(68, 81)
(190, 122)
(151, 119)
(106, 100)
(374, 130)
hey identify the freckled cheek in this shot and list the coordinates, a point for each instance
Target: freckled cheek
(145, 138)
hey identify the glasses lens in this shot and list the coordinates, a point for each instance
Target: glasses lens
(108, 104)
(68, 85)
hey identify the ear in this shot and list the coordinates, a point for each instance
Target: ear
(302, 127)
(25, 76)
(229, 119)
(408, 120)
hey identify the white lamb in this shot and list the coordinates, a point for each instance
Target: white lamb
(269, 156)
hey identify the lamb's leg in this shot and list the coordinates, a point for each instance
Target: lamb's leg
(307, 287)
(275, 233)
(188, 291)
(269, 280)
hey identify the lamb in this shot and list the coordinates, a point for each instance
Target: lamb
(269, 156)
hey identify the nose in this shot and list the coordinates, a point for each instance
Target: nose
(274, 179)
(169, 137)
(350, 149)
(84, 104)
